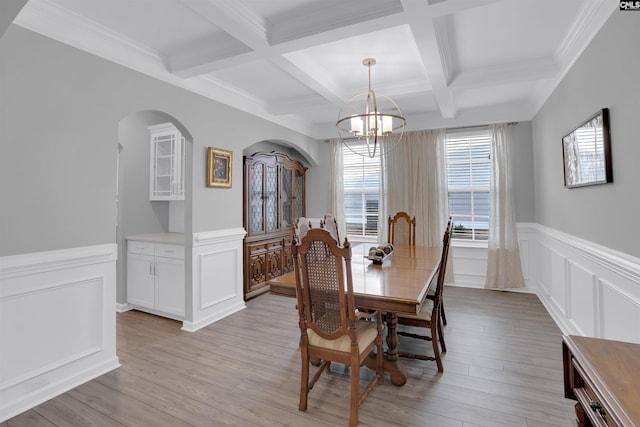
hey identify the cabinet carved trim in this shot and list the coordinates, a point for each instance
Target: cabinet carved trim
(274, 198)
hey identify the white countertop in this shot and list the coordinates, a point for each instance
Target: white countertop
(167, 238)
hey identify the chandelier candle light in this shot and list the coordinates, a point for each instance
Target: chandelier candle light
(379, 119)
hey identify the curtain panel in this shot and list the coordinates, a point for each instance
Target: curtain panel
(504, 269)
(336, 185)
(415, 182)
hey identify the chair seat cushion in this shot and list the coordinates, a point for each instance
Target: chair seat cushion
(367, 333)
(424, 313)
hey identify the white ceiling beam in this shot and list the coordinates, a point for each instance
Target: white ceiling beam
(500, 74)
(428, 25)
(235, 18)
(9, 9)
(432, 42)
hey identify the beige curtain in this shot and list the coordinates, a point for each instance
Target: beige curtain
(336, 186)
(503, 264)
(415, 182)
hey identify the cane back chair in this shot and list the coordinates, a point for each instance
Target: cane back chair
(331, 329)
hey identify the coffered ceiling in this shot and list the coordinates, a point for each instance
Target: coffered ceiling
(445, 63)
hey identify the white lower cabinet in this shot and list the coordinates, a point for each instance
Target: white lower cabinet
(155, 278)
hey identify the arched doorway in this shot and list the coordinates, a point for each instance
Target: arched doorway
(140, 216)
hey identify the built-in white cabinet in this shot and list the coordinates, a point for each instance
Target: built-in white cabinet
(167, 163)
(155, 278)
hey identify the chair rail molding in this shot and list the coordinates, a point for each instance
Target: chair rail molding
(216, 270)
(64, 302)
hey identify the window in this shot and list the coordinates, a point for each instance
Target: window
(468, 175)
(361, 192)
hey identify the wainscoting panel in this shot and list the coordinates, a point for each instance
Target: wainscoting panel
(217, 277)
(581, 297)
(620, 314)
(588, 289)
(470, 260)
(558, 281)
(57, 323)
(469, 264)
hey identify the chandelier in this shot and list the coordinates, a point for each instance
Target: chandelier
(372, 118)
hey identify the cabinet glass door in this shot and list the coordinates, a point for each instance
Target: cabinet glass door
(256, 176)
(298, 197)
(167, 155)
(271, 196)
(164, 156)
(287, 198)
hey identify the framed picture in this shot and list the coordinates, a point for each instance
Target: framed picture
(586, 152)
(219, 163)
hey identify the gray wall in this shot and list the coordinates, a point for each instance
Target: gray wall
(606, 75)
(521, 151)
(60, 109)
(318, 180)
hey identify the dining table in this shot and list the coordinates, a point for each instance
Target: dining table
(397, 285)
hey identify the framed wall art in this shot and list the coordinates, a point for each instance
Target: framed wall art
(219, 167)
(586, 152)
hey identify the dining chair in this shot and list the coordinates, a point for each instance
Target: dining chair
(429, 315)
(331, 328)
(432, 292)
(401, 229)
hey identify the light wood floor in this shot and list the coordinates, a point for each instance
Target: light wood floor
(503, 368)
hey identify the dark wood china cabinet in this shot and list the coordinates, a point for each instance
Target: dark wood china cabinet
(274, 198)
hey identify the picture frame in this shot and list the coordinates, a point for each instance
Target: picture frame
(219, 167)
(586, 152)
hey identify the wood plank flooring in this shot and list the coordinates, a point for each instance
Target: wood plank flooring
(503, 368)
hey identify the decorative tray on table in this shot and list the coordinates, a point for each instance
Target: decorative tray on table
(380, 253)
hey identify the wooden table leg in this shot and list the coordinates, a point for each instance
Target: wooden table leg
(397, 372)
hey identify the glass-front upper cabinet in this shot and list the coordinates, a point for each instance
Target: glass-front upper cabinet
(298, 196)
(255, 187)
(167, 157)
(287, 198)
(274, 193)
(292, 195)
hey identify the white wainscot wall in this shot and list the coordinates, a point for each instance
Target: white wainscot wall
(470, 260)
(217, 274)
(57, 323)
(588, 289)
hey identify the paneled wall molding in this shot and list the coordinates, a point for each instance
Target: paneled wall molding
(217, 277)
(621, 263)
(470, 260)
(62, 325)
(587, 288)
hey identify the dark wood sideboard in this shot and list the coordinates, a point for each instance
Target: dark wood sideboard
(604, 377)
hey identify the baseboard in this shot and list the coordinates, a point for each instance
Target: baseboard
(121, 308)
(18, 406)
(194, 326)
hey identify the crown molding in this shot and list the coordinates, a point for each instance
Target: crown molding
(591, 17)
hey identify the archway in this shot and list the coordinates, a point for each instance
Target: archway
(137, 214)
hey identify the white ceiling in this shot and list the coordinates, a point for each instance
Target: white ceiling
(445, 63)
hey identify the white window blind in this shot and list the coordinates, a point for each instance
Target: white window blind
(361, 192)
(468, 175)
